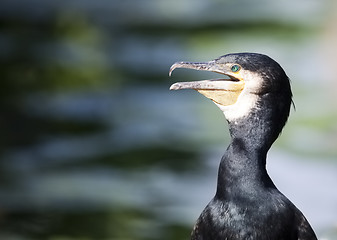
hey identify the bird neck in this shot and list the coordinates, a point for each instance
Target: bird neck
(243, 167)
(242, 171)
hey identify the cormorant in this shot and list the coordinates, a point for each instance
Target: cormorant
(255, 99)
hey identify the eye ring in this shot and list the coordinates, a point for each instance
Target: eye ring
(235, 68)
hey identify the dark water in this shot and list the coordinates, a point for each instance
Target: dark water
(94, 146)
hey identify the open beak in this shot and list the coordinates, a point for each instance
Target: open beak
(224, 91)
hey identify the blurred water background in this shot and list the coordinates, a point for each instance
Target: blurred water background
(95, 146)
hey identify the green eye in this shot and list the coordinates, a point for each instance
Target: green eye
(235, 68)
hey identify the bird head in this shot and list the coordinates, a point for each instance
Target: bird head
(249, 77)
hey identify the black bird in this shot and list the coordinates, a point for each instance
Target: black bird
(255, 99)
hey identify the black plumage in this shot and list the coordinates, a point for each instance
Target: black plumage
(247, 204)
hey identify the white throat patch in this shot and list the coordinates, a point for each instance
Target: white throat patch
(242, 107)
(247, 100)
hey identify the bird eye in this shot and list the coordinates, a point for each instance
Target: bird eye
(235, 68)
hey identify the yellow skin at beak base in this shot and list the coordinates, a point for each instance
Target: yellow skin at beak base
(222, 97)
(227, 96)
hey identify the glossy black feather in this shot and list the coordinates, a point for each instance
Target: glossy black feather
(247, 205)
